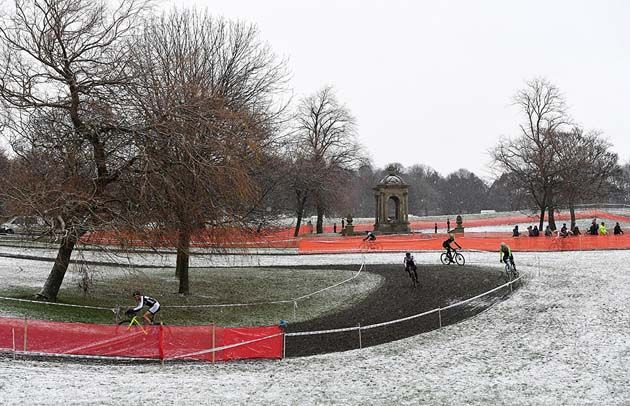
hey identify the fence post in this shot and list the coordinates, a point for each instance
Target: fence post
(213, 342)
(294, 310)
(440, 316)
(161, 342)
(25, 332)
(360, 343)
(13, 330)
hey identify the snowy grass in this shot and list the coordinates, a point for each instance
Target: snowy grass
(562, 339)
(226, 290)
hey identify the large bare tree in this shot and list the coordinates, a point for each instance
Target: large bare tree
(326, 149)
(63, 77)
(531, 158)
(207, 90)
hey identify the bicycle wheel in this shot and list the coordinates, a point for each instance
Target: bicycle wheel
(444, 258)
(125, 322)
(459, 258)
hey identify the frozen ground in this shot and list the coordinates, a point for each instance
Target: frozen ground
(562, 339)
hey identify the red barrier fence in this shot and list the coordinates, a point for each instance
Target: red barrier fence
(200, 343)
(487, 242)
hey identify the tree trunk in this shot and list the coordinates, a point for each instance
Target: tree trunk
(572, 211)
(552, 219)
(542, 219)
(301, 202)
(55, 278)
(320, 219)
(183, 257)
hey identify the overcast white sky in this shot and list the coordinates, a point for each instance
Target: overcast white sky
(431, 82)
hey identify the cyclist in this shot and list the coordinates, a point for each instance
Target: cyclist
(141, 301)
(410, 266)
(505, 254)
(369, 236)
(447, 246)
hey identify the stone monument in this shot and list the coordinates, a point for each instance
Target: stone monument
(349, 228)
(391, 194)
(459, 228)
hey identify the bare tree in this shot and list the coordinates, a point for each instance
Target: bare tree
(206, 90)
(588, 168)
(530, 158)
(326, 146)
(63, 72)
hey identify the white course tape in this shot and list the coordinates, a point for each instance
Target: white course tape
(294, 300)
(439, 309)
(55, 304)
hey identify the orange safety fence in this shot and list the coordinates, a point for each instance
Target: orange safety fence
(470, 241)
(200, 343)
(282, 237)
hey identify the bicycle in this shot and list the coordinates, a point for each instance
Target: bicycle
(510, 270)
(370, 245)
(123, 318)
(455, 257)
(413, 274)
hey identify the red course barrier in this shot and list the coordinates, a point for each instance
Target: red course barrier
(471, 241)
(206, 343)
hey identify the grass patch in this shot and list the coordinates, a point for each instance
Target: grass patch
(251, 287)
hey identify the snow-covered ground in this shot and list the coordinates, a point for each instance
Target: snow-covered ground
(562, 339)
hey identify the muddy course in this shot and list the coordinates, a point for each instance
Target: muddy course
(440, 286)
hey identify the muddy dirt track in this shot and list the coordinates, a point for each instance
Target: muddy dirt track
(440, 286)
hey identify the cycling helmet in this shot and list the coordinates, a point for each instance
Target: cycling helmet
(407, 254)
(136, 293)
(503, 244)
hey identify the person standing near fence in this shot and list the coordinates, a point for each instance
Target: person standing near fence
(593, 230)
(448, 225)
(602, 229)
(617, 230)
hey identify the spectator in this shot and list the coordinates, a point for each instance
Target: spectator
(515, 232)
(594, 229)
(617, 230)
(435, 228)
(602, 229)
(576, 230)
(530, 233)
(448, 225)
(310, 226)
(564, 232)
(535, 231)
(548, 231)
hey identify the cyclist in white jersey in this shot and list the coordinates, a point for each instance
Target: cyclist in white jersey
(141, 301)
